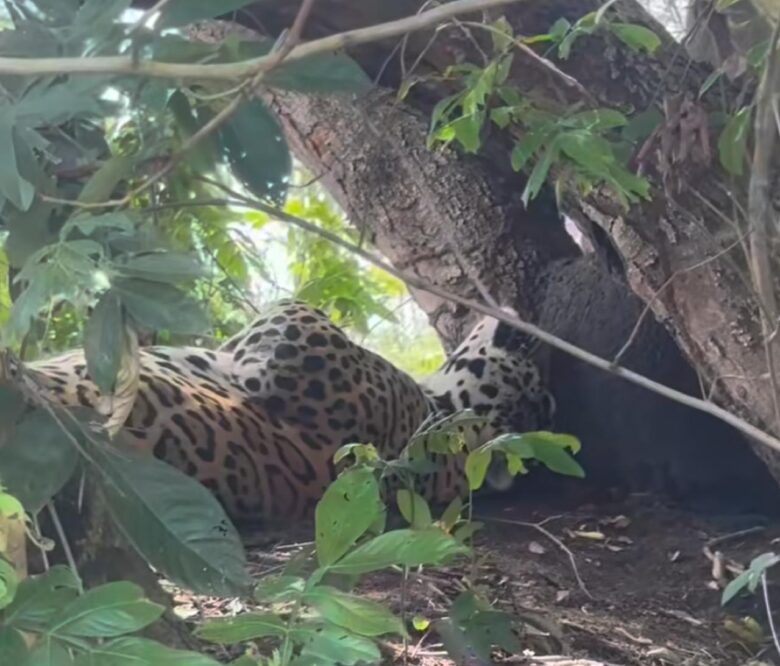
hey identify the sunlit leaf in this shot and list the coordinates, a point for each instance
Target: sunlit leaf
(172, 520)
(347, 509)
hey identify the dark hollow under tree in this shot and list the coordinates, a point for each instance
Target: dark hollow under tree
(459, 222)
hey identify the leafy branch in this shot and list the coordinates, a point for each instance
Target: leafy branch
(248, 69)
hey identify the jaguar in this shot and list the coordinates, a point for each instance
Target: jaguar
(259, 419)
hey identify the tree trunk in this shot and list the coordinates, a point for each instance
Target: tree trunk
(674, 248)
(411, 203)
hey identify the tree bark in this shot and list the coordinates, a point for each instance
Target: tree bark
(677, 253)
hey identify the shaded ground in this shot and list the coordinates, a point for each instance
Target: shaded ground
(648, 593)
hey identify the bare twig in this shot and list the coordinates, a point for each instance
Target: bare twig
(698, 404)
(55, 518)
(543, 530)
(246, 69)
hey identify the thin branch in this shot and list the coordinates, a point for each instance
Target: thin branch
(769, 617)
(412, 280)
(246, 69)
(543, 530)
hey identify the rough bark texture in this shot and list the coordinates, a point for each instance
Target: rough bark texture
(463, 227)
(671, 247)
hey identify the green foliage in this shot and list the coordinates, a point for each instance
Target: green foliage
(751, 577)
(173, 521)
(583, 146)
(732, 143)
(36, 460)
(64, 625)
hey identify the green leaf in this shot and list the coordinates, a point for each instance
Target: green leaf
(347, 509)
(402, 547)
(161, 306)
(134, 651)
(49, 652)
(106, 611)
(324, 73)
(255, 147)
(324, 645)
(202, 156)
(525, 149)
(9, 582)
(279, 589)
(244, 627)
(37, 460)
(19, 191)
(732, 143)
(28, 231)
(360, 616)
(414, 508)
(12, 646)
(502, 34)
(466, 130)
(551, 450)
(40, 598)
(161, 266)
(451, 514)
(104, 341)
(642, 125)
(477, 464)
(172, 520)
(636, 37)
(89, 224)
(101, 185)
(751, 577)
(596, 119)
(182, 12)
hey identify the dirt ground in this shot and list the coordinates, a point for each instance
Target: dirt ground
(647, 592)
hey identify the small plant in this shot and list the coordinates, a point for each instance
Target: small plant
(49, 619)
(585, 146)
(314, 618)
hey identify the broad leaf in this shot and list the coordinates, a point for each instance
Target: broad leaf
(732, 143)
(414, 508)
(402, 547)
(12, 646)
(255, 147)
(161, 306)
(104, 341)
(49, 652)
(324, 645)
(106, 611)
(360, 616)
(13, 186)
(172, 520)
(134, 651)
(347, 509)
(636, 36)
(324, 73)
(279, 588)
(169, 267)
(245, 627)
(37, 460)
(40, 598)
(477, 464)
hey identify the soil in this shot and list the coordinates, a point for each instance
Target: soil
(651, 577)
